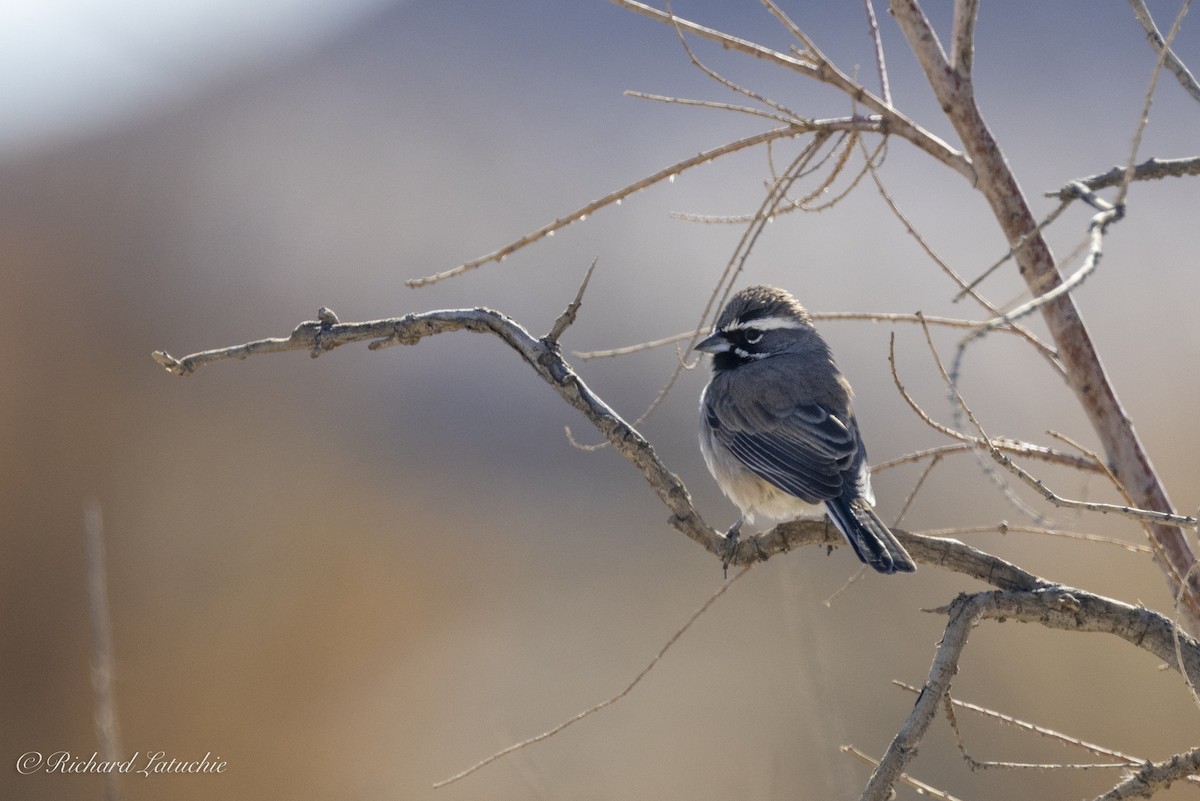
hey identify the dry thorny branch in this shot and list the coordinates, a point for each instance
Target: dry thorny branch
(1017, 594)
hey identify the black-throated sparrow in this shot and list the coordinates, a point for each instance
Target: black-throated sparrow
(777, 429)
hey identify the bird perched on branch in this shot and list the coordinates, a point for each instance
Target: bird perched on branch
(777, 428)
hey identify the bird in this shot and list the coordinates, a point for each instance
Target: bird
(777, 425)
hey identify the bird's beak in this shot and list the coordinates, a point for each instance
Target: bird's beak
(713, 343)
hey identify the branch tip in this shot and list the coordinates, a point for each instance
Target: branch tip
(567, 318)
(170, 363)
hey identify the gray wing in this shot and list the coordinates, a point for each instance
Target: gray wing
(803, 448)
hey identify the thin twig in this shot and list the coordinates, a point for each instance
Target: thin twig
(854, 578)
(612, 198)
(1119, 486)
(1172, 61)
(567, 318)
(874, 317)
(610, 701)
(1049, 353)
(896, 123)
(806, 204)
(1103, 508)
(713, 104)
(103, 660)
(972, 443)
(608, 353)
(1006, 528)
(1041, 731)
(1037, 230)
(1144, 120)
(786, 203)
(921, 787)
(1036, 483)
(984, 764)
(920, 482)
(1098, 226)
(738, 260)
(873, 25)
(696, 62)
(1178, 635)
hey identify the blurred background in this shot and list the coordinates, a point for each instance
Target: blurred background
(356, 576)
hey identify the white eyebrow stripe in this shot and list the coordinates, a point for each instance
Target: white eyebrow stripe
(765, 324)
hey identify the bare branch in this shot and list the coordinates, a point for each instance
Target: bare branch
(1071, 609)
(964, 612)
(1178, 633)
(926, 47)
(316, 338)
(1053, 606)
(962, 45)
(1149, 170)
(881, 64)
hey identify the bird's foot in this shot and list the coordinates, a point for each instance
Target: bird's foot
(729, 548)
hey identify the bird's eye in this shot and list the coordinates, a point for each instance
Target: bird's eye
(752, 335)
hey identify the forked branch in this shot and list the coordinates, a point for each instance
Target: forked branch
(1085, 373)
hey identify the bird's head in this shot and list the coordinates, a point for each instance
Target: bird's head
(757, 323)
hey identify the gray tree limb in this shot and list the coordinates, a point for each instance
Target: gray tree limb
(1020, 595)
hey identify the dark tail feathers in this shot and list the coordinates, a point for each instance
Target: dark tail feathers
(869, 537)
